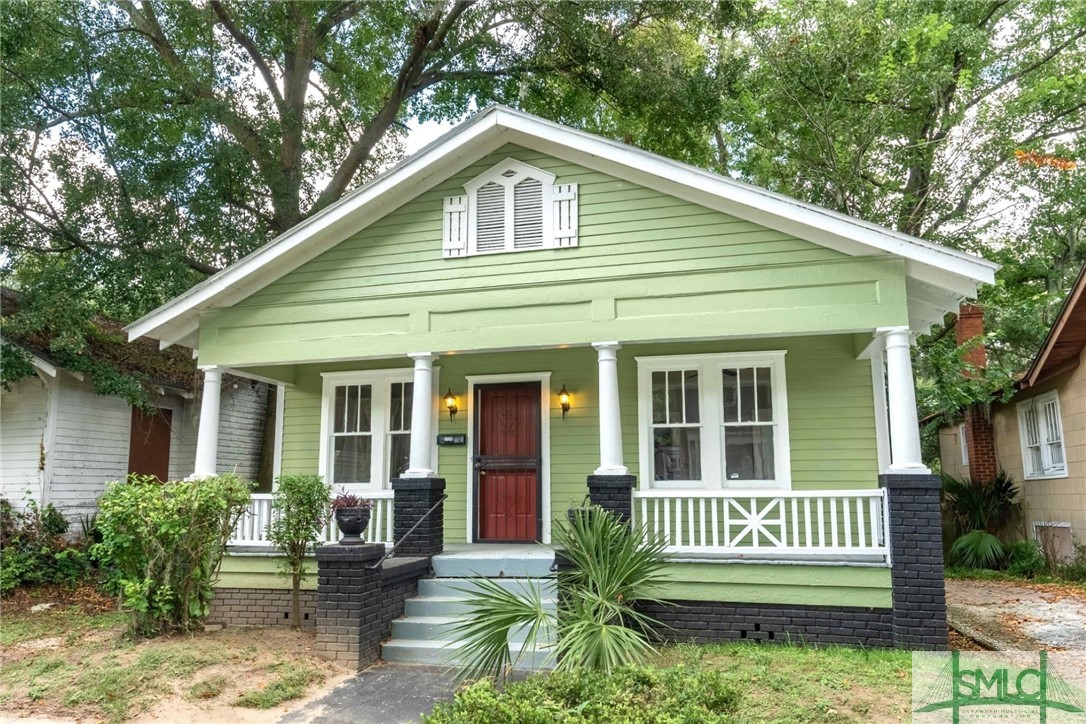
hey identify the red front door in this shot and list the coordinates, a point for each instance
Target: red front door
(507, 461)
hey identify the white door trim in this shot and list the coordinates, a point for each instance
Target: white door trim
(544, 380)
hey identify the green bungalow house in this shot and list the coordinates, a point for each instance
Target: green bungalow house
(522, 315)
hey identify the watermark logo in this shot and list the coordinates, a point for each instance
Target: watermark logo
(966, 686)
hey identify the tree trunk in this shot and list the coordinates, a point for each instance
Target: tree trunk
(296, 603)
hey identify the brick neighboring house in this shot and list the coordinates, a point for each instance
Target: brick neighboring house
(1039, 435)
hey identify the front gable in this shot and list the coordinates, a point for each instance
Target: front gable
(642, 259)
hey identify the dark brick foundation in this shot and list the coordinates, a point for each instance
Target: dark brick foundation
(613, 493)
(356, 603)
(413, 497)
(714, 622)
(260, 607)
(916, 557)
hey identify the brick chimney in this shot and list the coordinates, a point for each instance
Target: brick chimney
(979, 435)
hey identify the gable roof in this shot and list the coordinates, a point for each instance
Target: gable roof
(1066, 339)
(937, 277)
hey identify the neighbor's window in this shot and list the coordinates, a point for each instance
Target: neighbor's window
(1041, 432)
(712, 421)
(366, 427)
(964, 445)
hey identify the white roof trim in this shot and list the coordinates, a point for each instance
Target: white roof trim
(955, 272)
(37, 362)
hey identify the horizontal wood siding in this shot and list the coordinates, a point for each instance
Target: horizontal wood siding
(830, 409)
(644, 260)
(23, 416)
(92, 437)
(241, 427)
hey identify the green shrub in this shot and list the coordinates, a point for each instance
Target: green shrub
(598, 624)
(299, 514)
(33, 549)
(164, 543)
(1075, 570)
(1025, 559)
(630, 694)
(977, 513)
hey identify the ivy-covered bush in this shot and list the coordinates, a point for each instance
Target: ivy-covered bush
(33, 549)
(164, 543)
(634, 695)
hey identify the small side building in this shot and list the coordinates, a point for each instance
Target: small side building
(61, 441)
(1039, 435)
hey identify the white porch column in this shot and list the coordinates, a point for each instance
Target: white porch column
(901, 394)
(420, 465)
(610, 418)
(207, 440)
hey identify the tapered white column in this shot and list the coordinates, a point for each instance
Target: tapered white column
(207, 440)
(420, 465)
(901, 395)
(610, 414)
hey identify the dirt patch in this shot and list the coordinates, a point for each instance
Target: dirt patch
(960, 642)
(1021, 615)
(69, 665)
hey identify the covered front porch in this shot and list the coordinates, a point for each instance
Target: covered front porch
(756, 450)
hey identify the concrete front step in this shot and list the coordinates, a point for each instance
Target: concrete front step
(461, 587)
(450, 606)
(441, 628)
(441, 653)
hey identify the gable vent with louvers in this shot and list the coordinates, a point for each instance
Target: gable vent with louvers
(511, 207)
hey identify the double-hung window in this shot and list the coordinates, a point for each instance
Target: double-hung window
(714, 421)
(365, 427)
(1041, 431)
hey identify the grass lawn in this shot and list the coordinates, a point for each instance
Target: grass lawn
(784, 683)
(67, 662)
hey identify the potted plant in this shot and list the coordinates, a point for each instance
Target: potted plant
(352, 515)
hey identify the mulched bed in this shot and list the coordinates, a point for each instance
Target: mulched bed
(87, 597)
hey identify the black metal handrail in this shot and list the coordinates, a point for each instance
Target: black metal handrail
(405, 536)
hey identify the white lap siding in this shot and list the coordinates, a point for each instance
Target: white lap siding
(241, 430)
(92, 436)
(24, 414)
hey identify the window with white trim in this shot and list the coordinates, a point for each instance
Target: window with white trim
(365, 427)
(1041, 432)
(714, 421)
(511, 207)
(964, 444)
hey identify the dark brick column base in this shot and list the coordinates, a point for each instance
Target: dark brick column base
(613, 493)
(916, 558)
(413, 497)
(349, 620)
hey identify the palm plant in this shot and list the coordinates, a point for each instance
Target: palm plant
(611, 569)
(978, 512)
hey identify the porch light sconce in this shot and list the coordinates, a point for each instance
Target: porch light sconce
(563, 400)
(450, 403)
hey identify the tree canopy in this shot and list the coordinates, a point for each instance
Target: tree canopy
(147, 144)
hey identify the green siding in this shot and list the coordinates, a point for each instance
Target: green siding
(831, 418)
(796, 584)
(645, 260)
(260, 571)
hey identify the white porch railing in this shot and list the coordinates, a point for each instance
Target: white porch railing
(252, 529)
(822, 525)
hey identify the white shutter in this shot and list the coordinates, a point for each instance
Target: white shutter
(564, 201)
(490, 218)
(528, 214)
(454, 231)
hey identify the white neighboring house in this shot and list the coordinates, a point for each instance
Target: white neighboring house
(60, 441)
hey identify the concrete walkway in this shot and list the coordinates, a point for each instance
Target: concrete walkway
(382, 694)
(1008, 616)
